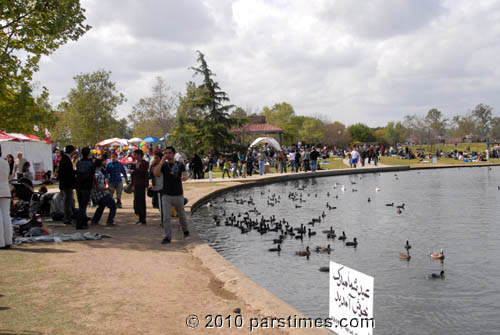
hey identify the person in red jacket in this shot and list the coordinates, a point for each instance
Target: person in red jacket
(140, 182)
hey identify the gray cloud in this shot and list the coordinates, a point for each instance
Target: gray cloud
(350, 61)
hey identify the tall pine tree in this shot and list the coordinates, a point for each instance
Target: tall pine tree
(213, 128)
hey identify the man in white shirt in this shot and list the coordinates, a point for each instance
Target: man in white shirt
(355, 157)
(180, 156)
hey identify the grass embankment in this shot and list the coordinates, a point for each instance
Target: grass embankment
(426, 162)
(467, 147)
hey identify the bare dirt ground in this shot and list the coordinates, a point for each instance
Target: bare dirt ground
(128, 284)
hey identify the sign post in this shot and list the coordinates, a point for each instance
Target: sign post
(351, 301)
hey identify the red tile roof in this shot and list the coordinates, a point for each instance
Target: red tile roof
(258, 128)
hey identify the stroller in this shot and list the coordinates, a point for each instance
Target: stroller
(21, 195)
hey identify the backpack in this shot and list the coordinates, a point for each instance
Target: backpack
(84, 174)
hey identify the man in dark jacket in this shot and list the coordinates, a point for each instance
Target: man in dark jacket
(314, 159)
(140, 182)
(85, 171)
(66, 175)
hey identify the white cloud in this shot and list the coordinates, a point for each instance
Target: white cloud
(370, 61)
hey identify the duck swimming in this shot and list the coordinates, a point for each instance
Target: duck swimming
(407, 246)
(437, 276)
(343, 237)
(438, 255)
(323, 249)
(404, 256)
(354, 243)
(278, 249)
(303, 252)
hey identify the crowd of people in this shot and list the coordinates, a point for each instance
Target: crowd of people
(99, 179)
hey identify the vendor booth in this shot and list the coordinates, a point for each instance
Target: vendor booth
(38, 153)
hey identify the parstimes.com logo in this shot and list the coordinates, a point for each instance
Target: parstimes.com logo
(238, 321)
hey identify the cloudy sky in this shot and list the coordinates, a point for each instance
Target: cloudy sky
(351, 61)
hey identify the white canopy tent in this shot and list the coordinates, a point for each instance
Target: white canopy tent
(38, 153)
(113, 142)
(269, 140)
(135, 140)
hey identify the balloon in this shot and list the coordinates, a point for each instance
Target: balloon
(98, 152)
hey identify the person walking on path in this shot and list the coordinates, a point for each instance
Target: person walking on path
(355, 157)
(157, 181)
(67, 179)
(102, 196)
(5, 224)
(114, 172)
(174, 173)
(140, 182)
(85, 171)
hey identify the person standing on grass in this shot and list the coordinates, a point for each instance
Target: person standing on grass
(5, 224)
(102, 196)
(114, 172)
(174, 173)
(67, 179)
(85, 171)
(225, 168)
(140, 182)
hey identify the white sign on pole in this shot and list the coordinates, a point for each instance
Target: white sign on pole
(351, 301)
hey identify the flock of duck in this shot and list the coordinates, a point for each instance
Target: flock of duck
(253, 220)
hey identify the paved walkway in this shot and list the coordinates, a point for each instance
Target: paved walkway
(130, 284)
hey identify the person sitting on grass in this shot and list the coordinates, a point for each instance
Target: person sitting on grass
(102, 196)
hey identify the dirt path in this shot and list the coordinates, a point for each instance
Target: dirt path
(129, 284)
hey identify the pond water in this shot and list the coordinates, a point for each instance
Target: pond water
(452, 209)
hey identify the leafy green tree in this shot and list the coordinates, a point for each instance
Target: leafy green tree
(462, 126)
(240, 116)
(395, 133)
(32, 28)
(279, 115)
(381, 136)
(20, 111)
(482, 115)
(495, 129)
(154, 115)
(312, 131)
(436, 122)
(283, 115)
(89, 114)
(361, 133)
(337, 134)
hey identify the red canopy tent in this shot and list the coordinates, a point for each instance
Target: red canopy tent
(6, 137)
